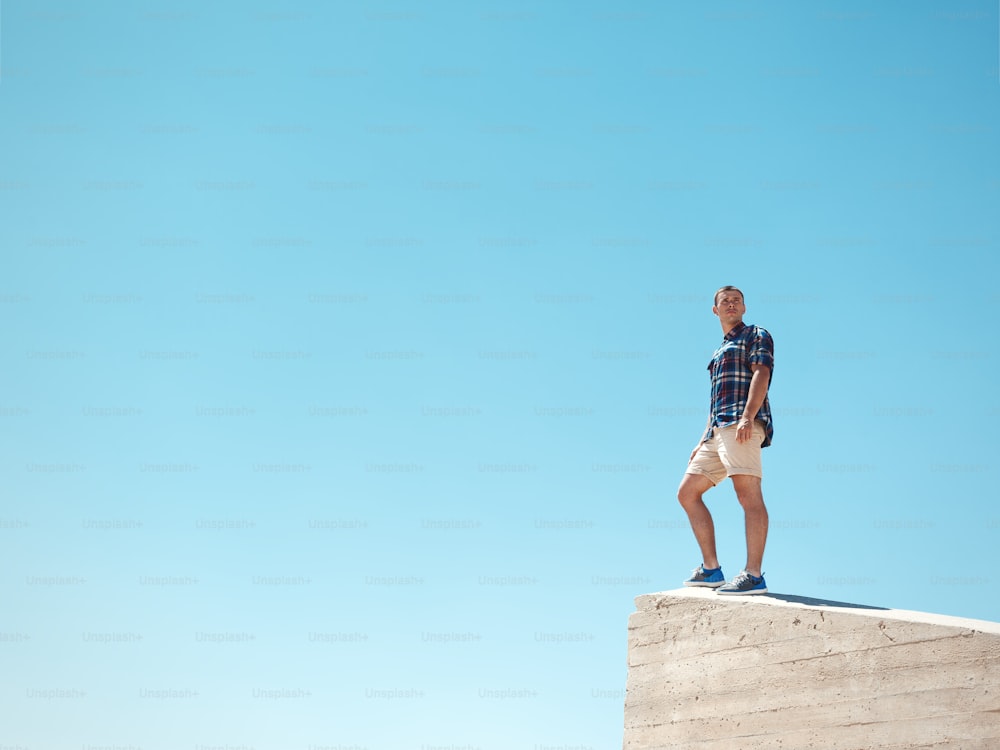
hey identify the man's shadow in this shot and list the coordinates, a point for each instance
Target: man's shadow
(811, 602)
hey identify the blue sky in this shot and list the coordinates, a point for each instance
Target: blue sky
(355, 351)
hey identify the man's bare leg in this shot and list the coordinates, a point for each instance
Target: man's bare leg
(748, 492)
(693, 486)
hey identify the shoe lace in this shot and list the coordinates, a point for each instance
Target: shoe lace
(744, 578)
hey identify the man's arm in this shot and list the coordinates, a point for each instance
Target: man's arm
(755, 399)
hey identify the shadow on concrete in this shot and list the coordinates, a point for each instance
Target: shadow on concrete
(809, 601)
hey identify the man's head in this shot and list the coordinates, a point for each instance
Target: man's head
(725, 289)
(729, 307)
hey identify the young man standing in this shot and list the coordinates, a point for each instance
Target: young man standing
(739, 426)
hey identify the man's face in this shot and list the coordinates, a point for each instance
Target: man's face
(729, 307)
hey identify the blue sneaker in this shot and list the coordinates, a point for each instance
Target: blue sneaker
(711, 578)
(744, 583)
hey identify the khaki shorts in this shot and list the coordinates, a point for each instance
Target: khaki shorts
(721, 456)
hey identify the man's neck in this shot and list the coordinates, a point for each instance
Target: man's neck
(725, 330)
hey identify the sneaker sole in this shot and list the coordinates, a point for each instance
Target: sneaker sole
(704, 584)
(742, 593)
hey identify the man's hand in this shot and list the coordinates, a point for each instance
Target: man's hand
(744, 430)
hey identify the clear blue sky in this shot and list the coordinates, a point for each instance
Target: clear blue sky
(354, 351)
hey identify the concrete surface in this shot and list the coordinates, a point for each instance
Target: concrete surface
(709, 672)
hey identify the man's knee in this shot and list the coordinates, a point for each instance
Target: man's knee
(748, 491)
(693, 486)
(686, 496)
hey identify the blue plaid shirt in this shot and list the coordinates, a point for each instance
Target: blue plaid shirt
(730, 372)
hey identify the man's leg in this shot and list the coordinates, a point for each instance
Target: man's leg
(693, 486)
(749, 493)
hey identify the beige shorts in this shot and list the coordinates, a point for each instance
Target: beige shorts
(721, 456)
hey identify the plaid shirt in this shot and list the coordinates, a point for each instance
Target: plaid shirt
(730, 373)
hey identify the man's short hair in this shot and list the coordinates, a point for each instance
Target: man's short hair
(715, 299)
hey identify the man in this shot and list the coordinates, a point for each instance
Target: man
(739, 426)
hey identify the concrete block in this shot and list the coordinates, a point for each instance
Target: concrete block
(710, 672)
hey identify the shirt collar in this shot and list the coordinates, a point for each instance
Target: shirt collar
(735, 331)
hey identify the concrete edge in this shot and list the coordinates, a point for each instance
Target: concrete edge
(656, 600)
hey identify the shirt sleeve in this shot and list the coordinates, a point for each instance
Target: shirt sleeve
(762, 349)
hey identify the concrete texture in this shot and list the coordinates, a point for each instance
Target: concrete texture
(709, 672)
